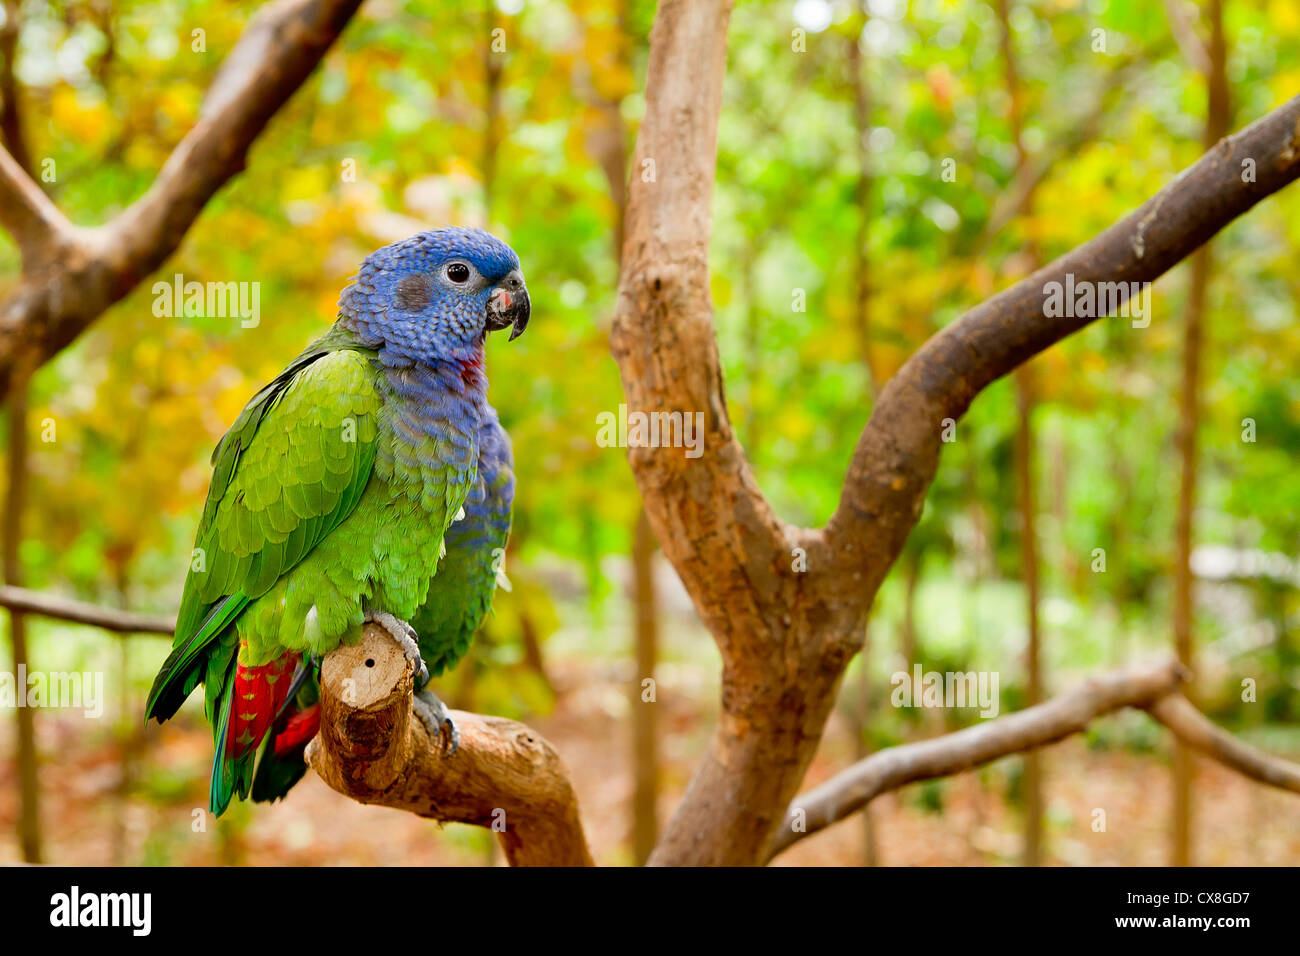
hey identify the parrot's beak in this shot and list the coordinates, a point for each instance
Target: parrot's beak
(508, 306)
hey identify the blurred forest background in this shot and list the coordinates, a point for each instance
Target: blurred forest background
(831, 163)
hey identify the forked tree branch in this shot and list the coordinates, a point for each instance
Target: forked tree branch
(785, 605)
(1152, 688)
(505, 776)
(70, 274)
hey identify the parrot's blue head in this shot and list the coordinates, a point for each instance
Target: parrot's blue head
(436, 295)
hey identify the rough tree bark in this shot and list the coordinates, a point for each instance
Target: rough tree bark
(784, 633)
(785, 636)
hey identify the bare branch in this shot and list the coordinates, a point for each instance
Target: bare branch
(274, 56)
(898, 451)
(79, 612)
(504, 776)
(26, 212)
(728, 547)
(97, 267)
(1035, 726)
(1194, 729)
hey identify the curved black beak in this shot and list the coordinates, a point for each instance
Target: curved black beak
(508, 305)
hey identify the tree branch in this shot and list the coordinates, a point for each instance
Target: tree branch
(504, 776)
(1194, 729)
(26, 212)
(898, 451)
(1035, 726)
(732, 553)
(79, 612)
(68, 284)
(664, 312)
(1152, 688)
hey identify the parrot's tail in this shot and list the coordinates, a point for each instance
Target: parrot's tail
(251, 700)
(196, 630)
(283, 764)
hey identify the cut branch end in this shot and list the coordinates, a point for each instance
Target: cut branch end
(505, 776)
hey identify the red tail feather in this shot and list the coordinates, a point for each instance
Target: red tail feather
(298, 729)
(259, 692)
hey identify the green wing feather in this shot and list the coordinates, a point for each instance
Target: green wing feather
(290, 469)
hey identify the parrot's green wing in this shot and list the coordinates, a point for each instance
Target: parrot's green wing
(290, 469)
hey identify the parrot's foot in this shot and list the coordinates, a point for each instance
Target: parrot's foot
(433, 714)
(405, 636)
(431, 711)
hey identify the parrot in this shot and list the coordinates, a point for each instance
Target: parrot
(370, 481)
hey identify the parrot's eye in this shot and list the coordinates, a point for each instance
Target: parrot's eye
(458, 272)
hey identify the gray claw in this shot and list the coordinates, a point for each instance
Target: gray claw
(405, 636)
(433, 714)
